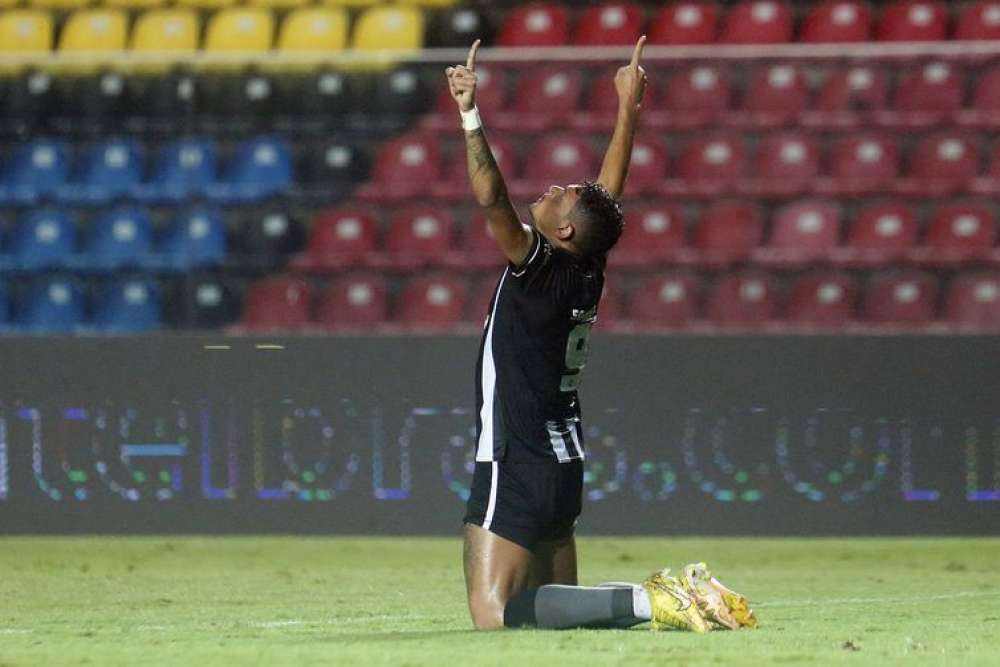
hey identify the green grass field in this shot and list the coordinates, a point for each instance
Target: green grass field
(400, 601)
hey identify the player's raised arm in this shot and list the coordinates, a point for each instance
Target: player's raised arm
(630, 84)
(487, 182)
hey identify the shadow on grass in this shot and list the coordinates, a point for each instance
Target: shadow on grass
(398, 635)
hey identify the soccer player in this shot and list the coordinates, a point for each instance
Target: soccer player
(520, 553)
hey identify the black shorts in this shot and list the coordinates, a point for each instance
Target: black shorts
(526, 503)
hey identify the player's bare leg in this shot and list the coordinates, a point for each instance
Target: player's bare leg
(496, 569)
(554, 563)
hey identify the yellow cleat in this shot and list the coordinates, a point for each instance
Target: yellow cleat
(722, 606)
(672, 607)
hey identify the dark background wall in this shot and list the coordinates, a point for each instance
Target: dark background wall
(685, 434)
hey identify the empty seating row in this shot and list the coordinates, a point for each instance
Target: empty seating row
(108, 170)
(219, 4)
(60, 305)
(783, 164)
(677, 300)
(784, 93)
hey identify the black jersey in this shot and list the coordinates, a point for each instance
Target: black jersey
(534, 346)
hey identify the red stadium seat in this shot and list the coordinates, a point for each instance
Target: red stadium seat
(974, 301)
(979, 20)
(847, 95)
(900, 299)
(352, 302)
(785, 164)
(941, 164)
(861, 164)
(405, 167)
(822, 300)
(455, 184)
(802, 232)
(775, 95)
(609, 310)
(652, 234)
(984, 111)
(837, 21)
(339, 238)
(600, 108)
(685, 23)
(536, 24)
(913, 21)
(543, 98)
(609, 24)
(277, 304)
(691, 98)
(491, 98)
(728, 231)
(743, 300)
(707, 166)
(879, 235)
(432, 302)
(758, 22)
(648, 166)
(479, 250)
(559, 160)
(478, 306)
(989, 184)
(958, 232)
(665, 301)
(418, 236)
(926, 96)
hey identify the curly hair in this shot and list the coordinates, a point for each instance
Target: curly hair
(598, 220)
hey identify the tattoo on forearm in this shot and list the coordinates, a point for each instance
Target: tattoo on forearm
(484, 174)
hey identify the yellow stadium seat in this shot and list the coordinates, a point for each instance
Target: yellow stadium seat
(206, 4)
(165, 30)
(389, 27)
(4, 4)
(59, 4)
(241, 30)
(134, 4)
(313, 30)
(24, 31)
(428, 3)
(91, 30)
(279, 4)
(353, 3)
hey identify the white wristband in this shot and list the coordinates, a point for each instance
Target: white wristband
(470, 119)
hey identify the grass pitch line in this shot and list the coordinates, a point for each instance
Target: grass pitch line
(880, 600)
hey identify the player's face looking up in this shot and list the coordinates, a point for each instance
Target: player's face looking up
(581, 218)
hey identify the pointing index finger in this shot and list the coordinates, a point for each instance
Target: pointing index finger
(637, 53)
(471, 62)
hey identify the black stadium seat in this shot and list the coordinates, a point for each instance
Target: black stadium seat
(460, 27)
(268, 236)
(203, 302)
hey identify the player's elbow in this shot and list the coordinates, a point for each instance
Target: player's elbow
(491, 196)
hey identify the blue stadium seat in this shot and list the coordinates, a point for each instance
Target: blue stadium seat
(128, 306)
(184, 169)
(261, 167)
(4, 306)
(196, 237)
(52, 305)
(108, 170)
(123, 236)
(43, 238)
(35, 170)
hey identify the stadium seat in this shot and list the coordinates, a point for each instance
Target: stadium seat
(491, 99)
(165, 102)
(313, 30)
(240, 103)
(848, 96)
(691, 98)
(785, 164)
(776, 95)
(802, 233)
(332, 167)
(34, 170)
(52, 305)
(405, 167)
(984, 109)
(973, 300)
(134, 5)
(247, 30)
(989, 182)
(837, 21)
(261, 167)
(757, 22)
(653, 234)
(285, 5)
(455, 184)
(92, 104)
(338, 238)
(388, 27)
(195, 237)
(183, 169)
(432, 302)
(207, 5)
(879, 235)
(902, 299)
(59, 5)
(24, 31)
(599, 110)
(204, 302)
(728, 231)
(543, 98)
(555, 160)
(28, 104)
(277, 304)
(460, 27)
(913, 21)
(418, 236)
(269, 236)
(941, 164)
(107, 170)
(43, 238)
(92, 31)
(860, 163)
(743, 300)
(609, 24)
(535, 24)
(478, 248)
(4, 306)
(684, 23)
(648, 166)
(610, 311)
(978, 20)
(120, 237)
(400, 96)
(355, 301)
(128, 306)
(958, 232)
(708, 166)
(822, 300)
(315, 101)
(477, 308)
(927, 96)
(173, 31)
(353, 4)
(665, 301)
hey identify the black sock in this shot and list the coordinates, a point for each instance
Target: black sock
(559, 607)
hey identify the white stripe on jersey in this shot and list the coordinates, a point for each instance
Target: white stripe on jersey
(557, 432)
(492, 504)
(484, 450)
(574, 429)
